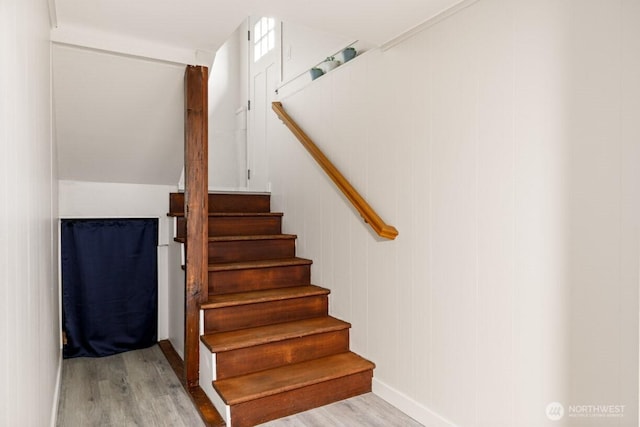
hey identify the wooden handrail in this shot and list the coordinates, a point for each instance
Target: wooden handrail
(370, 216)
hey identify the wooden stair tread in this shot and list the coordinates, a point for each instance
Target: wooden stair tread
(253, 297)
(233, 214)
(238, 238)
(243, 338)
(261, 384)
(267, 263)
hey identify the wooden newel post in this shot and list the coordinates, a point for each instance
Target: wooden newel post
(196, 213)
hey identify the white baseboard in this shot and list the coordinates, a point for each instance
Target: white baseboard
(415, 410)
(56, 393)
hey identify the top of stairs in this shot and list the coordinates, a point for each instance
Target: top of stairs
(225, 202)
(242, 238)
(221, 214)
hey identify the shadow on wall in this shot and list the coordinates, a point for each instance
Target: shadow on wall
(227, 114)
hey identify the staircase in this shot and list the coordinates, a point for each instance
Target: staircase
(268, 346)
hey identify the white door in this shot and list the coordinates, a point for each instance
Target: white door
(264, 75)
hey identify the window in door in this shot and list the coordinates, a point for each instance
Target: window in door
(264, 38)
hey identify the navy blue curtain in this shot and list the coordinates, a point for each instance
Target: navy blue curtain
(109, 285)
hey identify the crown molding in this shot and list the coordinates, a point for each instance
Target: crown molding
(430, 22)
(129, 46)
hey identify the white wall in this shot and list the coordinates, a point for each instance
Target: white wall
(227, 102)
(119, 118)
(228, 94)
(304, 47)
(108, 200)
(503, 143)
(30, 359)
(176, 293)
(603, 116)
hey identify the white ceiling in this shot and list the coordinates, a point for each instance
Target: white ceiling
(118, 69)
(206, 24)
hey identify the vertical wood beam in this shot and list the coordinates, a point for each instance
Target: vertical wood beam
(196, 213)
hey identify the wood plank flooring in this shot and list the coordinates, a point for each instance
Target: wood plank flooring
(139, 388)
(136, 388)
(365, 410)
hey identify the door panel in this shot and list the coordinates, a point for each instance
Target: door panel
(263, 79)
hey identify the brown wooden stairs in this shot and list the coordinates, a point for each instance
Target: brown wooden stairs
(268, 348)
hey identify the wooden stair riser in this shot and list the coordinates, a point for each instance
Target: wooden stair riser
(225, 203)
(266, 356)
(266, 313)
(249, 250)
(302, 399)
(253, 279)
(236, 225)
(277, 352)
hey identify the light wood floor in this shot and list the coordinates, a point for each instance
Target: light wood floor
(136, 388)
(365, 410)
(139, 388)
